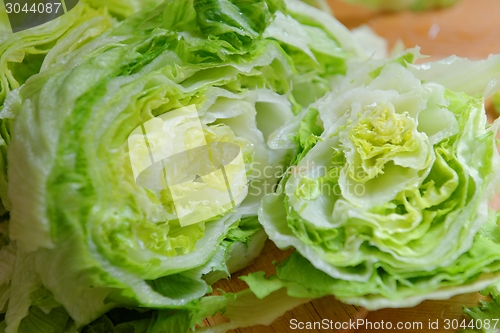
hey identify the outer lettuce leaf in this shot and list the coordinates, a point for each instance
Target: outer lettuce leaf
(248, 310)
(374, 45)
(242, 309)
(28, 52)
(387, 199)
(485, 317)
(237, 21)
(55, 321)
(462, 75)
(34, 308)
(307, 14)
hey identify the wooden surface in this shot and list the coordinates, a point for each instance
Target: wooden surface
(331, 309)
(316, 310)
(469, 29)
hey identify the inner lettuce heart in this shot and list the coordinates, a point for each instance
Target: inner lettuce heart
(390, 186)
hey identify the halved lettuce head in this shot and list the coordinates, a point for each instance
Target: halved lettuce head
(390, 186)
(137, 165)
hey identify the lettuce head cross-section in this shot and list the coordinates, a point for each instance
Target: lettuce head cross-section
(136, 163)
(387, 198)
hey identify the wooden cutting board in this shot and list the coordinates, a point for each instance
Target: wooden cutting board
(316, 310)
(423, 315)
(469, 29)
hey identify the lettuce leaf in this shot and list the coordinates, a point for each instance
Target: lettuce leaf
(28, 52)
(484, 318)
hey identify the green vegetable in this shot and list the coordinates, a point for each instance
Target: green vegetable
(93, 226)
(125, 8)
(28, 52)
(484, 318)
(387, 198)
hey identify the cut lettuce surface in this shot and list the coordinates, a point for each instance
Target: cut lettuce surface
(387, 198)
(87, 234)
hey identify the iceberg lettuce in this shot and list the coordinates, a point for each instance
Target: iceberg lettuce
(92, 229)
(387, 198)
